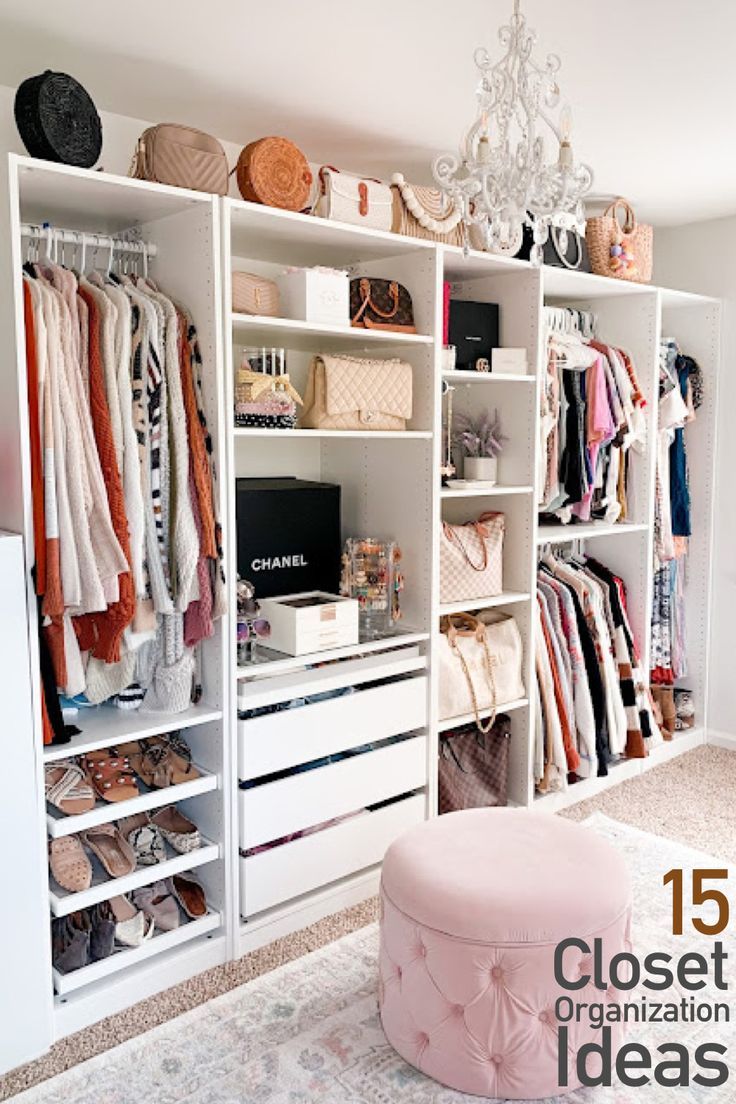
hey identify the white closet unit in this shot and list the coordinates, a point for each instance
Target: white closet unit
(390, 490)
(184, 228)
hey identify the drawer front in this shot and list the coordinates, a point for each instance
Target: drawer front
(307, 864)
(277, 809)
(295, 736)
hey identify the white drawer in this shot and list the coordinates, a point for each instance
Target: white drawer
(306, 864)
(279, 741)
(277, 809)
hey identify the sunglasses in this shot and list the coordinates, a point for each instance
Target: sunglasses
(248, 630)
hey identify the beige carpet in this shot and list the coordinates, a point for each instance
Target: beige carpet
(692, 799)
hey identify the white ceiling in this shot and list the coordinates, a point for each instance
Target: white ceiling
(383, 85)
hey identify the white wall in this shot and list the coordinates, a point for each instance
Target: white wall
(702, 257)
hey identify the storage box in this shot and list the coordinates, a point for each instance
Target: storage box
(510, 361)
(289, 538)
(473, 331)
(311, 622)
(316, 295)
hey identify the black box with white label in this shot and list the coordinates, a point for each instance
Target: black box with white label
(473, 331)
(289, 538)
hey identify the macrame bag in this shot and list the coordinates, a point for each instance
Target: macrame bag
(473, 767)
(622, 249)
(421, 212)
(471, 558)
(480, 666)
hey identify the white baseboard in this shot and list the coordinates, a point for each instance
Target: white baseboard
(722, 740)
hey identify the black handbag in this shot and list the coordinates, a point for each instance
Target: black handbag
(57, 120)
(574, 256)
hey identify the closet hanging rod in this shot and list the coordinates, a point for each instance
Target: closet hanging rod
(85, 237)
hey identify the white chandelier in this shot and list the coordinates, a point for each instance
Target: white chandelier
(501, 180)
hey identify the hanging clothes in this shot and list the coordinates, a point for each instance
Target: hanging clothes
(592, 416)
(593, 701)
(128, 561)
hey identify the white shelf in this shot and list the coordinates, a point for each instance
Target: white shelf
(278, 664)
(60, 825)
(571, 286)
(344, 434)
(123, 959)
(562, 534)
(508, 598)
(471, 492)
(463, 376)
(104, 726)
(314, 335)
(469, 718)
(104, 887)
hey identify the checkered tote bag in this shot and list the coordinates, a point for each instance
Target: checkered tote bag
(474, 767)
(471, 558)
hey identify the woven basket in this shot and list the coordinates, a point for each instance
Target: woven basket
(57, 120)
(624, 250)
(275, 172)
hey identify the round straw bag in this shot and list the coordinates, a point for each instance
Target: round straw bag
(620, 249)
(275, 172)
(57, 120)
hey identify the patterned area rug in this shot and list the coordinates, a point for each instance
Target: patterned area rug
(309, 1032)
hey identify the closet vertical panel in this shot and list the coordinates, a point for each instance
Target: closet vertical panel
(695, 325)
(25, 952)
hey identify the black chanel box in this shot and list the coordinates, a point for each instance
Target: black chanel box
(473, 331)
(289, 538)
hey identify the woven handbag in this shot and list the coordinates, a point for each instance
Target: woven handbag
(473, 767)
(624, 250)
(471, 558)
(275, 172)
(381, 305)
(57, 120)
(355, 393)
(425, 213)
(480, 666)
(255, 295)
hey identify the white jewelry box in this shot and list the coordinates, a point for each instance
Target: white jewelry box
(511, 361)
(310, 622)
(316, 295)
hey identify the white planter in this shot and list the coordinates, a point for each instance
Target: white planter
(483, 469)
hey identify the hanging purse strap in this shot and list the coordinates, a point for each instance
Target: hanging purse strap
(628, 226)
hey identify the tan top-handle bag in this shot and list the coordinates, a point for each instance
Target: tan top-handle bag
(622, 249)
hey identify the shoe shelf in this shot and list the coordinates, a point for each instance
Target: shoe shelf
(104, 887)
(561, 534)
(123, 958)
(469, 605)
(61, 824)
(103, 725)
(276, 663)
(469, 718)
(310, 336)
(485, 492)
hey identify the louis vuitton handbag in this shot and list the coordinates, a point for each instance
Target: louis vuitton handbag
(381, 305)
(471, 558)
(352, 393)
(480, 666)
(474, 767)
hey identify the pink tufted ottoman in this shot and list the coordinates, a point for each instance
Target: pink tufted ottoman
(472, 907)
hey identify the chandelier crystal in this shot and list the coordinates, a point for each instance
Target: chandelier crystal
(502, 179)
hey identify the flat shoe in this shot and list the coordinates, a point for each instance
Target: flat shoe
(190, 895)
(114, 852)
(132, 926)
(156, 901)
(148, 845)
(67, 789)
(111, 776)
(177, 829)
(69, 865)
(167, 761)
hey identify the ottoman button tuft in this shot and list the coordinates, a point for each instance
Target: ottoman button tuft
(497, 1059)
(497, 973)
(544, 1017)
(422, 1039)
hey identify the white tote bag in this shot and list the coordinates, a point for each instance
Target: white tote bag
(480, 666)
(347, 198)
(471, 559)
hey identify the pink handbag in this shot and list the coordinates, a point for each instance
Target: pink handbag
(471, 558)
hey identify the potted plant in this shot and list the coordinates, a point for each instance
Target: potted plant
(480, 440)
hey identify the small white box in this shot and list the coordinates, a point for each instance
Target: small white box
(310, 622)
(316, 295)
(511, 361)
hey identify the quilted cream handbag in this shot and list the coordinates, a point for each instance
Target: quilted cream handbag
(255, 295)
(471, 558)
(354, 393)
(354, 199)
(480, 666)
(421, 212)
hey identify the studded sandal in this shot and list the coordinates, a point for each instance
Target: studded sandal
(111, 776)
